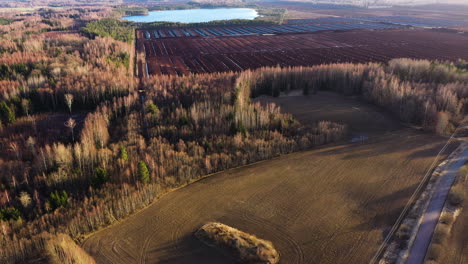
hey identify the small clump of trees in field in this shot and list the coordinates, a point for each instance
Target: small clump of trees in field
(246, 248)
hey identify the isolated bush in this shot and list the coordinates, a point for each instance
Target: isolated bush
(151, 108)
(404, 232)
(446, 219)
(9, 213)
(245, 247)
(434, 252)
(25, 199)
(456, 195)
(183, 120)
(123, 153)
(403, 235)
(100, 177)
(413, 214)
(6, 114)
(440, 234)
(403, 244)
(463, 173)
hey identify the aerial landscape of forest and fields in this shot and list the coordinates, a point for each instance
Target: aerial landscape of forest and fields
(260, 132)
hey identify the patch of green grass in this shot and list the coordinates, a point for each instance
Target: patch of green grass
(131, 11)
(5, 21)
(109, 27)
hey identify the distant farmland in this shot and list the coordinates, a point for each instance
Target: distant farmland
(199, 54)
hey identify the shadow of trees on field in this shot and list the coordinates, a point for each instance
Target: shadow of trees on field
(380, 212)
(403, 141)
(187, 250)
(431, 152)
(357, 114)
(381, 220)
(425, 153)
(400, 197)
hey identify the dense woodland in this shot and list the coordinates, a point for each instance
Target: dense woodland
(80, 147)
(109, 27)
(129, 152)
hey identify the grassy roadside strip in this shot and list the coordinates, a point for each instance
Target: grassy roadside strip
(456, 200)
(396, 247)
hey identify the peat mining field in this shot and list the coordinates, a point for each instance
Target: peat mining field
(196, 53)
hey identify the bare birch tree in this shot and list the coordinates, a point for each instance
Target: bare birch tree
(69, 101)
(71, 123)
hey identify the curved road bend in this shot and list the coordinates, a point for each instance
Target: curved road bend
(431, 215)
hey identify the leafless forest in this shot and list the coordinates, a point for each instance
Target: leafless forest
(88, 138)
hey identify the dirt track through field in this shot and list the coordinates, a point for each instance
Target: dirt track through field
(328, 205)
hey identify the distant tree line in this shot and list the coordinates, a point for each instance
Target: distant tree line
(216, 23)
(131, 11)
(431, 95)
(266, 15)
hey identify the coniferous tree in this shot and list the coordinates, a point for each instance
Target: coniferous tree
(100, 177)
(123, 153)
(143, 173)
(6, 114)
(58, 199)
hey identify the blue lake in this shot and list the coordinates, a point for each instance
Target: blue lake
(195, 15)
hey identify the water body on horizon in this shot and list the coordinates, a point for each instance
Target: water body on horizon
(195, 15)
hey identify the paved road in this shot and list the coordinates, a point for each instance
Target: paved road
(433, 211)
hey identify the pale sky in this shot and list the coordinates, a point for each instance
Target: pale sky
(424, 1)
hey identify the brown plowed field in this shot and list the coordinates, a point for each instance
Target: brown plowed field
(216, 54)
(331, 205)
